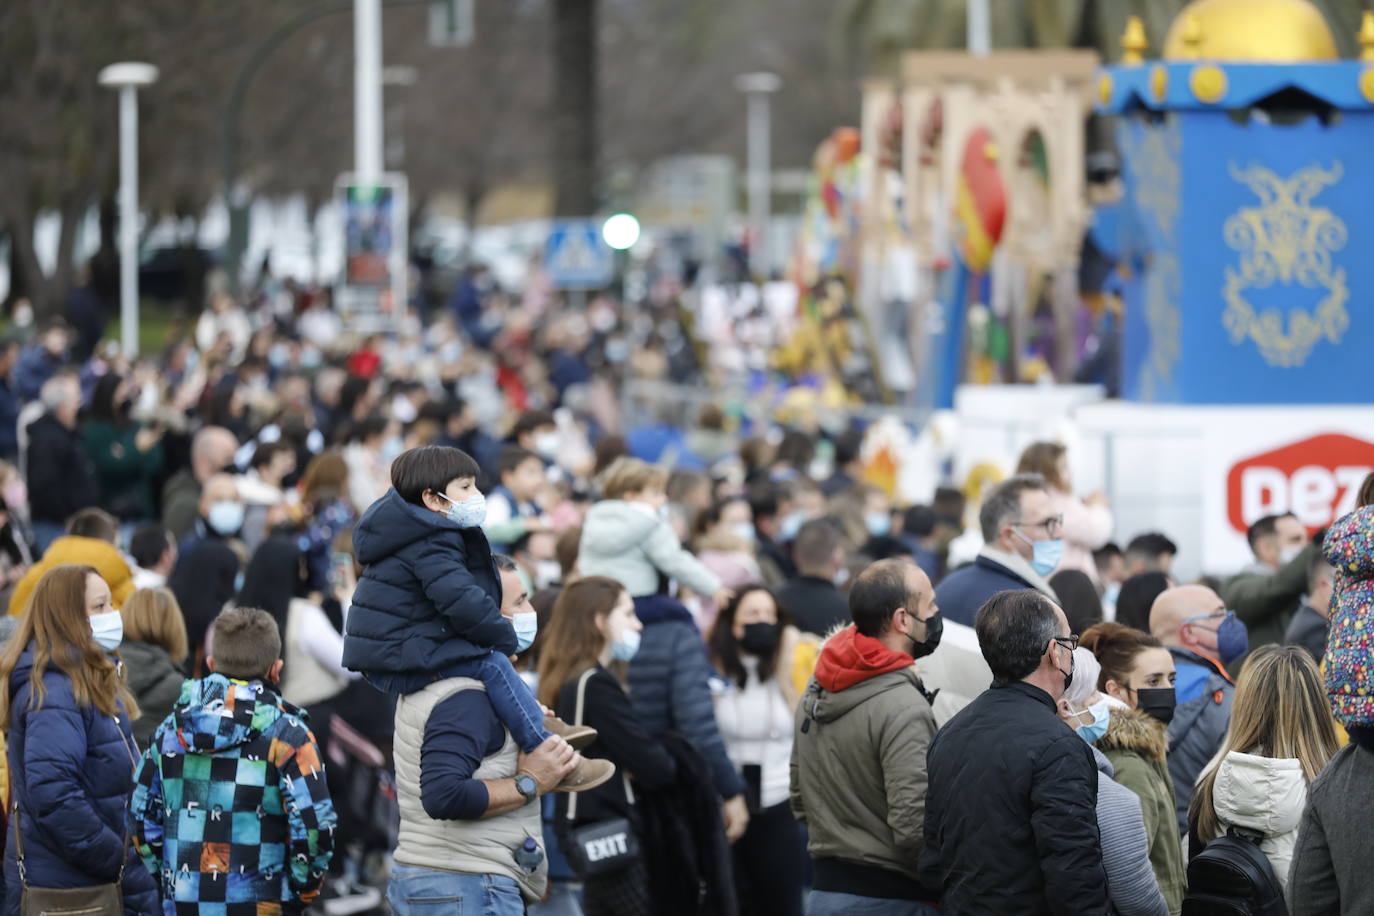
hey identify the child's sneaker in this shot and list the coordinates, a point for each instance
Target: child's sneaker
(588, 774)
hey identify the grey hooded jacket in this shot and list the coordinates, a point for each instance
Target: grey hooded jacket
(632, 546)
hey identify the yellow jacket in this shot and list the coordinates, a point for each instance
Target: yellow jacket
(83, 551)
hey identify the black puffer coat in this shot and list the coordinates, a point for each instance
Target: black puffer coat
(429, 597)
(1011, 816)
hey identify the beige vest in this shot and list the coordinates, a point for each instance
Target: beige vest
(483, 847)
(304, 681)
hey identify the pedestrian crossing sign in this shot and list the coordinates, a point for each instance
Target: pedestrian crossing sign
(576, 257)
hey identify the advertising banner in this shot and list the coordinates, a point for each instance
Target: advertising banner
(372, 290)
(1310, 463)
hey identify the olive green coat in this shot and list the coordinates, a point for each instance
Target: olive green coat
(1136, 745)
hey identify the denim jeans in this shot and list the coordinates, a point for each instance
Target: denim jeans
(565, 899)
(830, 903)
(425, 891)
(509, 696)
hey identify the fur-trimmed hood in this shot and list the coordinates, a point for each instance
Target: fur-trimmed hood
(1133, 730)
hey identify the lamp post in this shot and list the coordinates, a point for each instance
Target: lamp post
(128, 78)
(757, 87)
(979, 24)
(367, 91)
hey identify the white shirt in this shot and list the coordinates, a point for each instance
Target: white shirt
(756, 724)
(146, 578)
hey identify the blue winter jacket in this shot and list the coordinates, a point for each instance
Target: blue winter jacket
(429, 597)
(670, 686)
(71, 771)
(966, 590)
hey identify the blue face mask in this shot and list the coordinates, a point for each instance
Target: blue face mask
(1101, 713)
(624, 648)
(879, 524)
(226, 518)
(1045, 555)
(1233, 638)
(791, 525)
(744, 531)
(470, 513)
(526, 628)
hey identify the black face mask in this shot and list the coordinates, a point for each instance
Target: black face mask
(935, 628)
(1068, 678)
(1158, 702)
(760, 639)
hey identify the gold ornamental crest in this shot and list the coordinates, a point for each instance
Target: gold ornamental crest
(1286, 241)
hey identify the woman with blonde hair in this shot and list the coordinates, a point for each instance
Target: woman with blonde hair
(153, 648)
(1281, 736)
(65, 710)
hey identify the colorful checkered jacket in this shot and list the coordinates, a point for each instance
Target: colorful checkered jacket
(230, 807)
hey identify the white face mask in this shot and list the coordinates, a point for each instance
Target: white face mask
(108, 630)
(1289, 554)
(546, 573)
(546, 445)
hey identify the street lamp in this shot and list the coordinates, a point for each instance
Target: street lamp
(620, 231)
(128, 78)
(757, 87)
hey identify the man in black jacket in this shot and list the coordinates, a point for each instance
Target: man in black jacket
(1011, 823)
(207, 570)
(61, 476)
(813, 600)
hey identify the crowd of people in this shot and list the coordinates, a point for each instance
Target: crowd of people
(298, 617)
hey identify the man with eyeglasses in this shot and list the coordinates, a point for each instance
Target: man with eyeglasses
(1192, 622)
(1022, 545)
(1011, 804)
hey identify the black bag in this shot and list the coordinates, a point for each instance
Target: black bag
(1233, 877)
(606, 847)
(603, 848)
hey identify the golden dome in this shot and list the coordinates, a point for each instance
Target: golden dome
(1250, 30)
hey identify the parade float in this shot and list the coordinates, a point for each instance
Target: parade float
(1229, 249)
(1247, 182)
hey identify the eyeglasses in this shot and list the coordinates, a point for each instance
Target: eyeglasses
(1069, 642)
(1052, 525)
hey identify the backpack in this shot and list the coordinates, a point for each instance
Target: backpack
(1233, 877)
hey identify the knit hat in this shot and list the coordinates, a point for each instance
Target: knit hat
(1086, 670)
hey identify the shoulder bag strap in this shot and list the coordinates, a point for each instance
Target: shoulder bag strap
(19, 842)
(577, 720)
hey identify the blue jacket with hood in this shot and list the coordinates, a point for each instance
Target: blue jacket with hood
(71, 770)
(429, 597)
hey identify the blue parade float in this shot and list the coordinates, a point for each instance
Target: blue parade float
(1249, 207)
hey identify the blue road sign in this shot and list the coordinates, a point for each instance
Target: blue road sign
(576, 257)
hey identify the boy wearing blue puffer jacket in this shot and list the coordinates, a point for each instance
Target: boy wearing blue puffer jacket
(428, 604)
